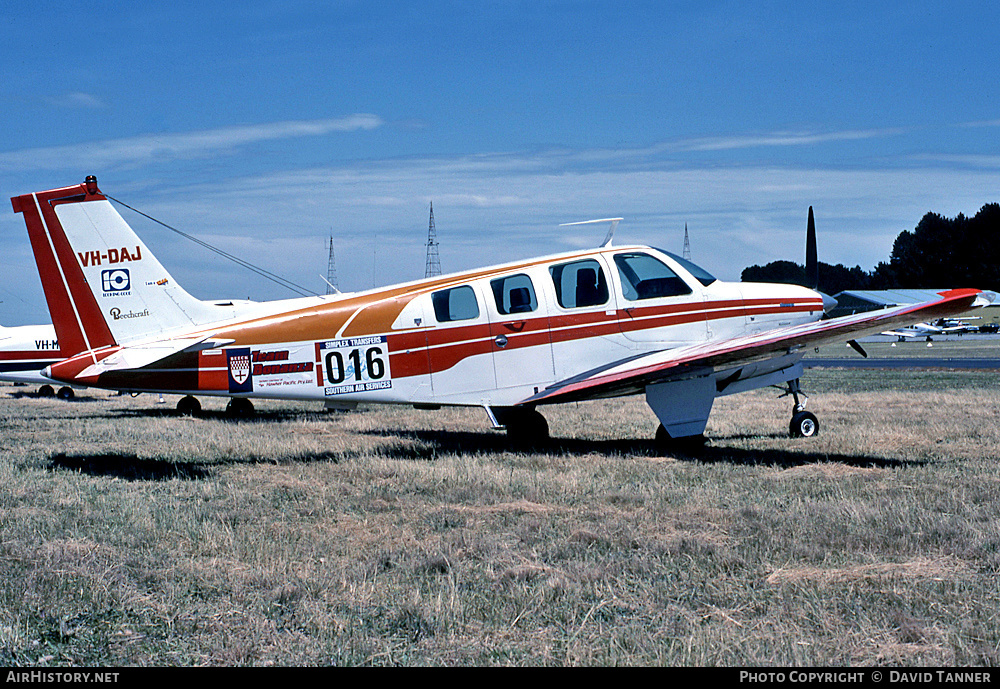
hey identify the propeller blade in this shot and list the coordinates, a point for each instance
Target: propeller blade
(812, 263)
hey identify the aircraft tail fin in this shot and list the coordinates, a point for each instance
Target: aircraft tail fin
(102, 284)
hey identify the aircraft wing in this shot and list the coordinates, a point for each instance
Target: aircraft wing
(633, 374)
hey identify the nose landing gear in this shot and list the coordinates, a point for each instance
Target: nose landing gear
(803, 424)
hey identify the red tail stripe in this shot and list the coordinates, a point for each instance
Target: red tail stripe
(76, 316)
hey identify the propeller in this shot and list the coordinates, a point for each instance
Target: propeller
(812, 263)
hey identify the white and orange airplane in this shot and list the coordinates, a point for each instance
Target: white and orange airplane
(600, 323)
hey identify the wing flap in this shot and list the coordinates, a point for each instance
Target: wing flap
(632, 375)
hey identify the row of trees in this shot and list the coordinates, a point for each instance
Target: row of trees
(939, 253)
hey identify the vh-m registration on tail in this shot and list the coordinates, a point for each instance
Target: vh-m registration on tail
(606, 322)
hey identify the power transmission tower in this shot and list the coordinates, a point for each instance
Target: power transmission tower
(331, 272)
(686, 254)
(433, 260)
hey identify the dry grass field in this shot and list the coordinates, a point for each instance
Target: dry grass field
(131, 536)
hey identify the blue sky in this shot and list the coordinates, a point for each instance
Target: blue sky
(264, 127)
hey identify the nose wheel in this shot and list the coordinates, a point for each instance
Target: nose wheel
(804, 424)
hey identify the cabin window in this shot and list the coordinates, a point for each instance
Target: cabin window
(458, 304)
(699, 273)
(644, 277)
(579, 284)
(514, 294)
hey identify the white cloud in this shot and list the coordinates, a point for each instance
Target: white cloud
(143, 149)
(782, 139)
(76, 99)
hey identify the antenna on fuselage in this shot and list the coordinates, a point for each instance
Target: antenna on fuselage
(611, 231)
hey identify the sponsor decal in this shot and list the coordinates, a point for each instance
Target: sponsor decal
(262, 367)
(112, 256)
(117, 314)
(240, 372)
(358, 364)
(116, 280)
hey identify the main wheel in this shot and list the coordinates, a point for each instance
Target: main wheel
(687, 445)
(804, 425)
(189, 406)
(65, 393)
(240, 408)
(46, 391)
(525, 425)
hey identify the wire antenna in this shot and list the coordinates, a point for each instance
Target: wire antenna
(287, 284)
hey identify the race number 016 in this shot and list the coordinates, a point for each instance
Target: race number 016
(359, 364)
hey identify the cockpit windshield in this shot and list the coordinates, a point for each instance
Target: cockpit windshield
(699, 273)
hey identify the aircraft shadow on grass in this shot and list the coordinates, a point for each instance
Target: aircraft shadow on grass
(428, 445)
(128, 467)
(435, 443)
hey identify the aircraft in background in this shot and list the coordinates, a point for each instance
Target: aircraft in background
(941, 326)
(27, 349)
(598, 323)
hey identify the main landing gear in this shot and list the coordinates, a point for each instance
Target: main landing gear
(687, 445)
(189, 406)
(804, 424)
(238, 407)
(65, 392)
(525, 425)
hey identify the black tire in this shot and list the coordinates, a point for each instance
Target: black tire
(804, 425)
(66, 393)
(189, 406)
(525, 425)
(688, 445)
(46, 391)
(240, 408)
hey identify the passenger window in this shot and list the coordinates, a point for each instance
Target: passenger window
(514, 294)
(644, 277)
(581, 283)
(458, 304)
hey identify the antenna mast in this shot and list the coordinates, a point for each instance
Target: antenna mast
(331, 272)
(433, 266)
(686, 254)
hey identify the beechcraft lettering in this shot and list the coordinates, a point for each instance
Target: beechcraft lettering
(118, 315)
(111, 256)
(509, 339)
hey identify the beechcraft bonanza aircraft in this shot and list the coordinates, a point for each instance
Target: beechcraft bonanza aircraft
(24, 351)
(605, 322)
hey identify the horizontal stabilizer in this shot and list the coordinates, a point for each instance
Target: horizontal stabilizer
(129, 358)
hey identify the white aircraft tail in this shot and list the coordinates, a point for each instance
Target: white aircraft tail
(102, 284)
